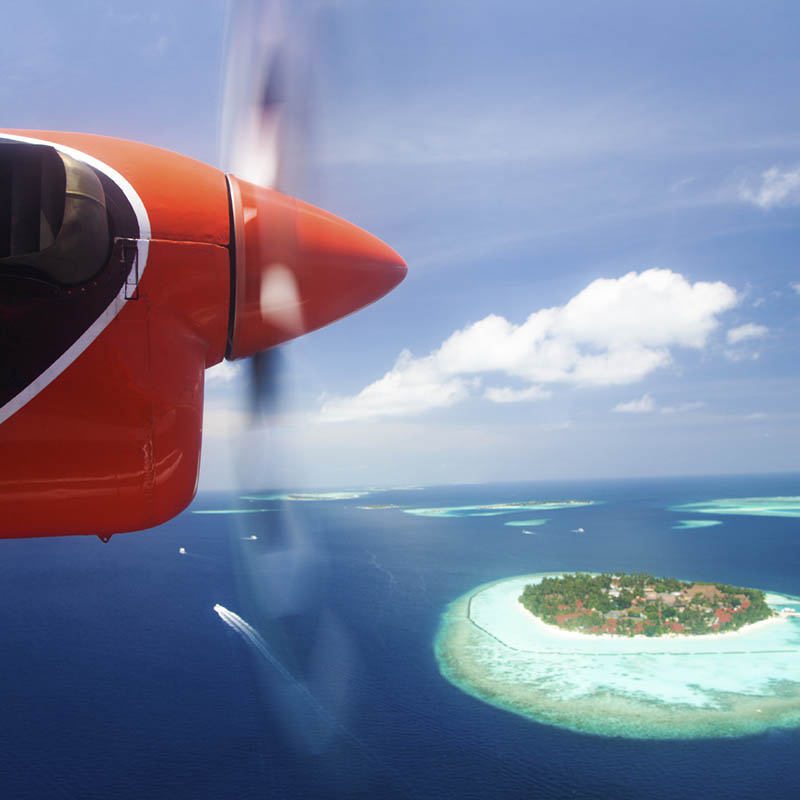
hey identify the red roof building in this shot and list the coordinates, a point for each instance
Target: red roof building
(721, 617)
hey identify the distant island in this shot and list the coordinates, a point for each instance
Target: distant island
(639, 603)
(497, 509)
(537, 503)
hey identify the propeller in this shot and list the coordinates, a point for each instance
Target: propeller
(297, 268)
(264, 108)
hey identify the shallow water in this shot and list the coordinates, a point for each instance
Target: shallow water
(669, 686)
(747, 506)
(691, 524)
(495, 509)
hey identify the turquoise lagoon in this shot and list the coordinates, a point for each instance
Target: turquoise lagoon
(232, 510)
(330, 496)
(308, 497)
(495, 509)
(747, 506)
(690, 524)
(666, 687)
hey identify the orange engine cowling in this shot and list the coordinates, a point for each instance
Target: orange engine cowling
(298, 268)
(101, 364)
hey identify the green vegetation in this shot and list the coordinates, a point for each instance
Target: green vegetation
(639, 603)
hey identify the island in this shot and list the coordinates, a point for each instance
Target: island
(642, 604)
(535, 503)
(691, 524)
(497, 509)
(684, 685)
(746, 506)
(306, 497)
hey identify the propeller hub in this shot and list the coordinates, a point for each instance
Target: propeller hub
(297, 268)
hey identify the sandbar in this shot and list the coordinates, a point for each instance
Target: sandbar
(691, 524)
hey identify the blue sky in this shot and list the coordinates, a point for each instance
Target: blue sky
(598, 204)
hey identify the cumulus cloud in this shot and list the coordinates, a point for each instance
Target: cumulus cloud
(410, 387)
(778, 188)
(508, 395)
(614, 332)
(747, 331)
(641, 405)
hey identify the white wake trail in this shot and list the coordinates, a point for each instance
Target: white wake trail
(254, 638)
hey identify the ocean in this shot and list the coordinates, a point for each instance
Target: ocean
(196, 661)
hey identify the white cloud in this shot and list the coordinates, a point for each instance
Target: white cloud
(508, 395)
(646, 404)
(682, 408)
(741, 355)
(796, 287)
(747, 331)
(410, 387)
(614, 332)
(778, 188)
(641, 405)
(223, 373)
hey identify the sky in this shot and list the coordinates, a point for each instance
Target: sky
(598, 204)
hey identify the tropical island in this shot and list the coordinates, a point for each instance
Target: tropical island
(641, 604)
(497, 509)
(673, 686)
(536, 503)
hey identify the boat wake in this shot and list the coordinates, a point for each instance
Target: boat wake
(254, 638)
(257, 642)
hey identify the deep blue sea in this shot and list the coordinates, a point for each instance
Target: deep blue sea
(119, 679)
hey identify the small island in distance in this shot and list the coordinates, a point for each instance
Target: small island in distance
(641, 604)
(497, 509)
